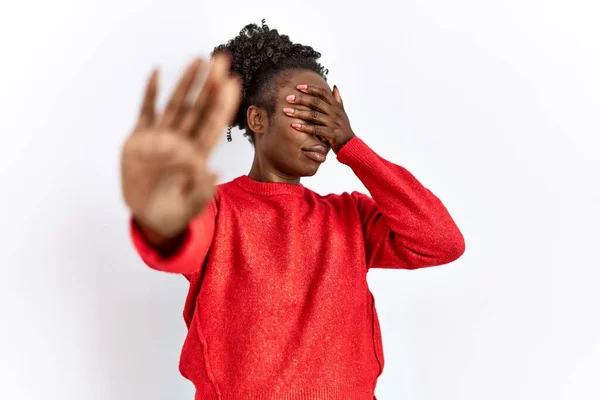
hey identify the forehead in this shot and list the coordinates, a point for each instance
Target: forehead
(304, 77)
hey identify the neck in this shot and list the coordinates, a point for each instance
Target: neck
(261, 171)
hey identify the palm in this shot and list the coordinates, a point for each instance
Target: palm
(165, 179)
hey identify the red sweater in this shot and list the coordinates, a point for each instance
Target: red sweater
(278, 305)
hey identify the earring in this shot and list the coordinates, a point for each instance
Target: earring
(229, 139)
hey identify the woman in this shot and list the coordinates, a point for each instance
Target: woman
(278, 306)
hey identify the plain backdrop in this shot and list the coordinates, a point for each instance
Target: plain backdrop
(493, 105)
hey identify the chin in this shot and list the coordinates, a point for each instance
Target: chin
(303, 171)
(302, 168)
(310, 172)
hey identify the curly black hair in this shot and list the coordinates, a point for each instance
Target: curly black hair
(260, 55)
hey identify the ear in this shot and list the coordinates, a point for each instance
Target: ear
(257, 120)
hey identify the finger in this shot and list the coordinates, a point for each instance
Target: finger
(310, 101)
(317, 130)
(224, 108)
(312, 116)
(204, 188)
(215, 73)
(147, 111)
(219, 100)
(321, 93)
(193, 91)
(336, 95)
(192, 117)
(177, 102)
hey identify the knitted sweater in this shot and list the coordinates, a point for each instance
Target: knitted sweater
(278, 306)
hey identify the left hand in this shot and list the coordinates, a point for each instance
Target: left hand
(326, 117)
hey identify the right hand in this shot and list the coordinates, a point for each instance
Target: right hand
(164, 174)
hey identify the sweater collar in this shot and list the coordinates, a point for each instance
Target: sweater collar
(267, 188)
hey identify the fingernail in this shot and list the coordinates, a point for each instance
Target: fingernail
(296, 126)
(288, 110)
(302, 87)
(291, 97)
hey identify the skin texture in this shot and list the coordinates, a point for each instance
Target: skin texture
(282, 138)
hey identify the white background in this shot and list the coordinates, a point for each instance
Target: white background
(493, 105)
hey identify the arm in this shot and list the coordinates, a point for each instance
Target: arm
(165, 179)
(405, 225)
(184, 254)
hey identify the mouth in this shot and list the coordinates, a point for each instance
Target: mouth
(317, 153)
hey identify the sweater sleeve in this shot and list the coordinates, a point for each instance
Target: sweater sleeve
(404, 224)
(190, 256)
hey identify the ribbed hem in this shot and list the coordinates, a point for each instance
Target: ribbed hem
(267, 188)
(340, 392)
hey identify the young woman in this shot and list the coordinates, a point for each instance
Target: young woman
(278, 305)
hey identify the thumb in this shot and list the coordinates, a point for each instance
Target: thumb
(203, 188)
(336, 94)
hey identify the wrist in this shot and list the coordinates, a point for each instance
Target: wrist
(338, 146)
(164, 244)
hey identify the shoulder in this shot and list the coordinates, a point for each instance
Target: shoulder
(344, 198)
(222, 190)
(228, 187)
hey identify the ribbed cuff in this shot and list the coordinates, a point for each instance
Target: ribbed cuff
(186, 259)
(356, 153)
